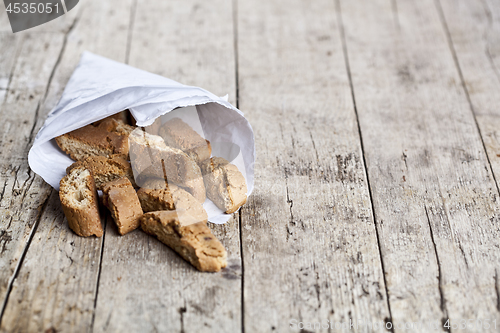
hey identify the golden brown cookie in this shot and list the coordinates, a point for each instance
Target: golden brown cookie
(224, 183)
(194, 242)
(120, 116)
(122, 201)
(178, 134)
(106, 169)
(108, 138)
(171, 197)
(152, 158)
(79, 202)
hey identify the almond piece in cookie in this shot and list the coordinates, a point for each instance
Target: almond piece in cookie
(194, 242)
(79, 202)
(152, 158)
(109, 137)
(155, 197)
(178, 134)
(224, 183)
(122, 201)
(106, 169)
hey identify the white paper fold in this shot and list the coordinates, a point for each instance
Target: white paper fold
(100, 87)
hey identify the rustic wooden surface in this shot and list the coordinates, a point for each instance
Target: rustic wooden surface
(310, 249)
(434, 195)
(143, 285)
(377, 176)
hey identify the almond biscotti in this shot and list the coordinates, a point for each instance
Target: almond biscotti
(79, 201)
(114, 126)
(156, 195)
(108, 138)
(120, 116)
(106, 169)
(224, 183)
(152, 158)
(122, 201)
(194, 242)
(178, 134)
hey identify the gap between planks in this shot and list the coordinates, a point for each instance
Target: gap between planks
(235, 41)
(439, 9)
(21, 259)
(44, 204)
(348, 69)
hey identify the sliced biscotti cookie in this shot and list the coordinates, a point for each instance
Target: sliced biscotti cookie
(79, 202)
(106, 169)
(196, 186)
(109, 137)
(120, 116)
(154, 128)
(152, 158)
(122, 201)
(115, 126)
(178, 134)
(194, 242)
(154, 197)
(224, 183)
(144, 151)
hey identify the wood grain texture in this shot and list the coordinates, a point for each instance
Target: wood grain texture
(309, 242)
(425, 77)
(10, 46)
(144, 285)
(27, 62)
(474, 28)
(434, 195)
(55, 288)
(60, 269)
(190, 42)
(22, 193)
(4, 22)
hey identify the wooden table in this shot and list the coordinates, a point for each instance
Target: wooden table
(376, 199)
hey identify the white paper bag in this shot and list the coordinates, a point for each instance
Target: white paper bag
(100, 87)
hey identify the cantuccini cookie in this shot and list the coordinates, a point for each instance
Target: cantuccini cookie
(106, 169)
(156, 195)
(122, 201)
(178, 134)
(113, 126)
(224, 183)
(154, 127)
(152, 158)
(120, 116)
(79, 202)
(109, 137)
(194, 242)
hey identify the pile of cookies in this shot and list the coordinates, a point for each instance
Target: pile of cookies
(162, 191)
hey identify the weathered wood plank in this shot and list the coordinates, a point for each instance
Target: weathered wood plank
(56, 285)
(22, 194)
(45, 278)
(11, 42)
(434, 196)
(192, 46)
(145, 286)
(24, 76)
(474, 28)
(10, 46)
(4, 21)
(309, 242)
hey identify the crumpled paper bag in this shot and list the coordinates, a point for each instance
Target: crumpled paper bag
(100, 87)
